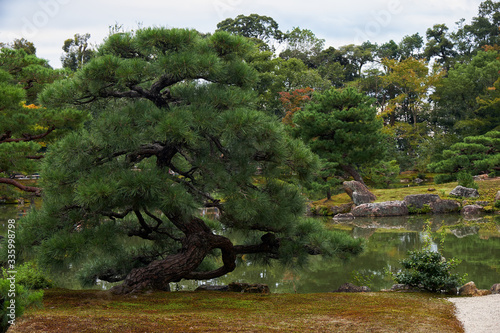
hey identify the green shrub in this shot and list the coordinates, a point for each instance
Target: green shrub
(465, 179)
(29, 276)
(424, 210)
(23, 298)
(497, 204)
(429, 270)
(444, 178)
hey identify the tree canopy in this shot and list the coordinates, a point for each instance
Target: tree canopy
(342, 127)
(175, 130)
(25, 128)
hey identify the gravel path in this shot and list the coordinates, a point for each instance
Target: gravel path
(479, 314)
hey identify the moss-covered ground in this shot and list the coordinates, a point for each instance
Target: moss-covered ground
(99, 311)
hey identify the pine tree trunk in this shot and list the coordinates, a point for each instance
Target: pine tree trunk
(197, 244)
(353, 172)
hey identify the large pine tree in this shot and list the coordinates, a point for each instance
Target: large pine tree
(174, 131)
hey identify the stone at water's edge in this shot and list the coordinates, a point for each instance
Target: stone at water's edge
(387, 208)
(464, 192)
(444, 206)
(419, 200)
(470, 289)
(495, 289)
(363, 193)
(472, 210)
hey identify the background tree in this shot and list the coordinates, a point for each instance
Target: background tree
(176, 132)
(342, 127)
(25, 130)
(440, 45)
(302, 44)
(261, 28)
(276, 75)
(457, 108)
(28, 71)
(474, 155)
(77, 52)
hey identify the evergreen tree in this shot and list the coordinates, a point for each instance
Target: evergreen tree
(174, 131)
(26, 129)
(475, 155)
(342, 127)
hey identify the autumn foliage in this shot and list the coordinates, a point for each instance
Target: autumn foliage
(294, 101)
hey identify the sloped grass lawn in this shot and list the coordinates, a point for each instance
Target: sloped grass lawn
(99, 311)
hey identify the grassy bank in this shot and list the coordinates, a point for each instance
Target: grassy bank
(99, 311)
(487, 190)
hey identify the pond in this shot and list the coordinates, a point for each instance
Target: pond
(388, 240)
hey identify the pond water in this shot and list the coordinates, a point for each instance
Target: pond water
(388, 240)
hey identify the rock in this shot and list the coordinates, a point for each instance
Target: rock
(350, 288)
(472, 210)
(497, 196)
(468, 289)
(444, 206)
(431, 189)
(342, 209)
(401, 287)
(495, 289)
(387, 208)
(206, 287)
(362, 191)
(464, 192)
(248, 288)
(419, 200)
(347, 216)
(482, 203)
(418, 180)
(361, 198)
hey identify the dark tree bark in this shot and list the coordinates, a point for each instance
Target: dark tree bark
(199, 241)
(37, 191)
(353, 172)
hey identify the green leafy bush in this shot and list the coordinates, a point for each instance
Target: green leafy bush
(29, 276)
(429, 270)
(465, 179)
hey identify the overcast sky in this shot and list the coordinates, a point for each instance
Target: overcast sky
(47, 23)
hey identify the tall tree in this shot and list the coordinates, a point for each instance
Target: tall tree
(254, 26)
(176, 131)
(457, 108)
(77, 52)
(26, 128)
(302, 44)
(440, 45)
(342, 127)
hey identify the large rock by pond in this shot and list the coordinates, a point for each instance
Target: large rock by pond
(358, 192)
(464, 192)
(419, 200)
(386, 208)
(445, 206)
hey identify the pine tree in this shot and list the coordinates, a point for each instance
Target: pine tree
(342, 127)
(174, 131)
